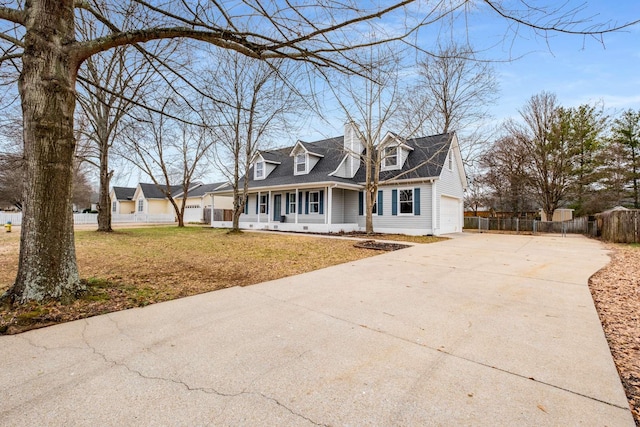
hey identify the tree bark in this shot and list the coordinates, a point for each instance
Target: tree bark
(104, 201)
(47, 265)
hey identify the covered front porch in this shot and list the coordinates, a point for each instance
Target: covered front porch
(318, 208)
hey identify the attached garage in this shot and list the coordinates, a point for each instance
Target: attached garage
(450, 215)
(193, 213)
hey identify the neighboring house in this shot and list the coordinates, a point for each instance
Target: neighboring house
(318, 187)
(122, 200)
(149, 200)
(200, 201)
(146, 202)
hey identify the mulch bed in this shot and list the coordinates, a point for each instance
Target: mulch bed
(379, 246)
(616, 293)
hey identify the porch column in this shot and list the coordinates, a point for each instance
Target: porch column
(258, 207)
(297, 205)
(269, 204)
(203, 197)
(434, 211)
(329, 203)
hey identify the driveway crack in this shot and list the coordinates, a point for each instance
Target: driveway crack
(207, 390)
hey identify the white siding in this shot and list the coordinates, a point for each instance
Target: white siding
(449, 185)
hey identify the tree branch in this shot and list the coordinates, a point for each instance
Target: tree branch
(561, 27)
(11, 40)
(14, 15)
(222, 39)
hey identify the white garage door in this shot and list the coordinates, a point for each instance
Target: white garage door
(450, 215)
(192, 213)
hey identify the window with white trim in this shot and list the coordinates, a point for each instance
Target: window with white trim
(314, 202)
(405, 201)
(114, 206)
(390, 157)
(263, 203)
(292, 203)
(374, 208)
(141, 205)
(259, 170)
(301, 163)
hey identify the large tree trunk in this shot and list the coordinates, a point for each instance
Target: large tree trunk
(104, 202)
(47, 265)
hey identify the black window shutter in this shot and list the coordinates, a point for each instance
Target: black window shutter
(306, 203)
(394, 202)
(286, 208)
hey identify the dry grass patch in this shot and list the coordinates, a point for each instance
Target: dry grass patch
(137, 267)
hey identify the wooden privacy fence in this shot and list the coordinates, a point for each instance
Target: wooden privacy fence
(620, 226)
(575, 226)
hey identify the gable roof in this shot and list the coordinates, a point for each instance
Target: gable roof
(331, 149)
(426, 159)
(150, 191)
(309, 148)
(124, 193)
(202, 189)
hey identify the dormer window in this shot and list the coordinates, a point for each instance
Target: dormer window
(301, 163)
(259, 170)
(390, 158)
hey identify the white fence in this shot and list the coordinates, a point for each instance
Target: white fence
(89, 218)
(13, 218)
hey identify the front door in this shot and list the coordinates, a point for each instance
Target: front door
(277, 199)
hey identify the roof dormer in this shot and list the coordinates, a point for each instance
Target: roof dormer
(263, 165)
(393, 152)
(304, 159)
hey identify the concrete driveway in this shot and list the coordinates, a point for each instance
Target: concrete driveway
(478, 330)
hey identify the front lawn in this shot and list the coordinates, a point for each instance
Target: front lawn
(137, 267)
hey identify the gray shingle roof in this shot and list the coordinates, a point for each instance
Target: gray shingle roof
(425, 161)
(150, 191)
(124, 193)
(201, 190)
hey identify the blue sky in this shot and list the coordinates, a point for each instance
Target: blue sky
(578, 69)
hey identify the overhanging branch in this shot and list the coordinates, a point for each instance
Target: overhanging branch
(13, 15)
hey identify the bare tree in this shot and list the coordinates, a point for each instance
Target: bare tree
(255, 105)
(110, 84)
(38, 40)
(505, 168)
(369, 103)
(453, 92)
(171, 154)
(544, 136)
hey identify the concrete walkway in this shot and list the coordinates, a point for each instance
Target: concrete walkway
(478, 330)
